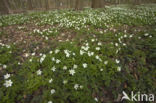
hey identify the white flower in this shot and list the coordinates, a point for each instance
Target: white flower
(42, 58)
(101, 70)
(85, 48)
(57, 61)
(75, 66)
(99, 43)
(76, 86)
(139, 37)
(8, 83)
(84, 65)
(51, 52)
(116, 44)
(6, 76)
(65, 68)
(33, 54)
(114, 30)
(90, 53)
(50, 102)
(119, 40)
(39, 72)
(26, 54)
(125, 36)
(72, 71)
(65, 82)
(97, 57)
(117, 51)
(19, 63)
(96, 99)
(81, 87)
(56, 51)
(119, 69)
(146, 34)
(40, 54)
(87, 44)
(30, 60)
(4, 66)
(8, 46)
(53, 59)
(46, 38)
(51, 80)
(105, 62)
(81, 52)
(131, 36)
(101, 32)
(67, 53)
(117, 61)
(53, 68)
(52, 91)
(97, 48)
(93, 40)
(124, 44)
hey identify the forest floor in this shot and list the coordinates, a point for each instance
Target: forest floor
(87, 56)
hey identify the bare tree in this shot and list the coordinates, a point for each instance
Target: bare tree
(96, 4)
(40, 3)
(57, 4)
(72, 3)
(14, 4)
(30, 5)
(22, 3)
(5, 7)
(46, 5)
(79, 5)
(69, 3)
(102, 3)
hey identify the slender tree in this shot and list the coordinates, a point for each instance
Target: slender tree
(30, 7)
(40, 3)
(72, 4)
(46, 5)
(96, 4)
(57, 4)
(79, 5)
(5, 9)
(14, 4)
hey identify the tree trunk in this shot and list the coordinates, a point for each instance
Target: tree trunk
(57, 4)
(102, 3)
(46, 5)
(4, 7)
(30, 5)
(22, 5)
(71, 4)
(40, 3)
(96, 4)
(79, 5)
(14, 5)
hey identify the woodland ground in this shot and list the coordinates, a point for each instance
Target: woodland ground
(84, 56)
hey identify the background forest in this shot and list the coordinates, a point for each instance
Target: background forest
(16, 6)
